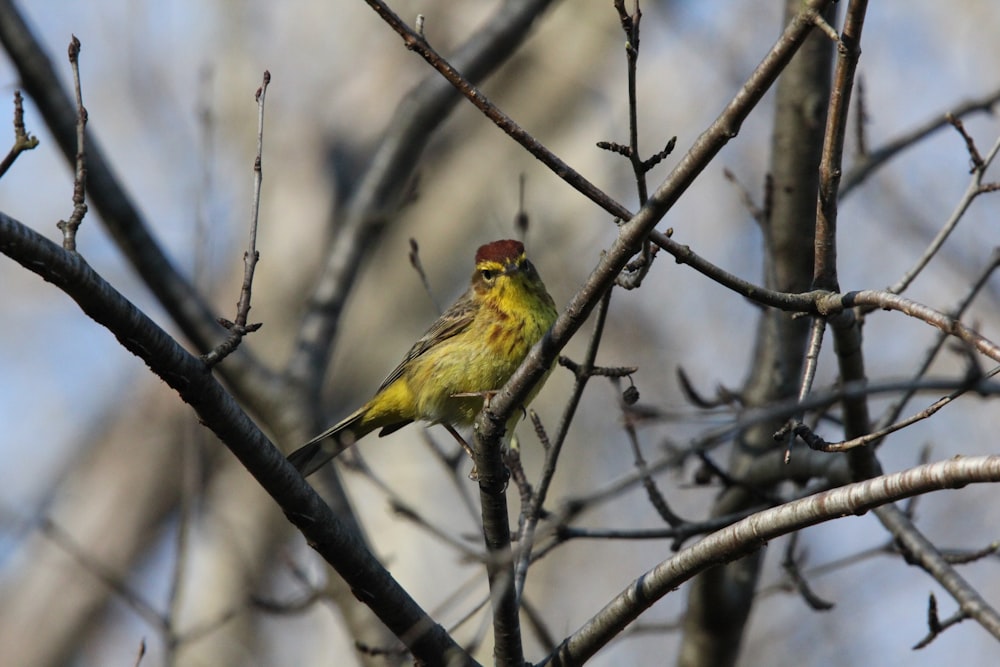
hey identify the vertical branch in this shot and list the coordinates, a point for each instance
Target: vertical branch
(251, 256)
(638, 268)
(817, 331)
(69, 227)
(507, 647)
(720, 599)
(240, 328)
(845, 325)
(630, 24)
(847, 336)
(831, 165)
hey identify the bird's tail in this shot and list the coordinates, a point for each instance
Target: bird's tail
(316, 453)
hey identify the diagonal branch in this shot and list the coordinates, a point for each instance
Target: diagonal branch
(636, 230)
(749, 534)
(334, 539)
(462, 81)
(725, 127)
(888, 301)
(861, 170)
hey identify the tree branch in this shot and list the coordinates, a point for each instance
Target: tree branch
(328, 534)
(118, 212)
(634, 232)
(751, 533)
(887, 301)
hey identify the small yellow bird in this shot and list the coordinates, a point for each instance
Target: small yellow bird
(469, 352)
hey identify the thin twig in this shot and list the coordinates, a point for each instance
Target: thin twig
(808, 371)
(418, 266)
(23, 141)
(749, 534)
(758, 213)
(521, 219)
(240, 328)
(678, 534)
(877, 158)
(70, 226)
(141, 653)
(95, 567)
(630, 25)
(637, 269)
(885, 300)
(973, 190)
(790, 565)
(935, 625)
(860, 120)
(820, 22)
(656, 497)
(970, 145)
(597, 371)
(817, 443)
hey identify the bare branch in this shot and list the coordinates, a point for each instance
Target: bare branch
(798, 580)
(332, 536)
(860, 120)
(970, 145)
(747, 535)
(186, 305)
(817, 330)
(69, 227)
(656, 497)
(974, 189)
(23, 141)
(463, 83)
(917, 549)
(817, 443)
(881, 155)
(833, 303)
(240, 328)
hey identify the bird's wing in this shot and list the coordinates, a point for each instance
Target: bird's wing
(454, 321)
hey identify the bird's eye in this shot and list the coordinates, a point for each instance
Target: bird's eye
(487, 274)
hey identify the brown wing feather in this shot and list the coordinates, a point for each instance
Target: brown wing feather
(454, 321)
